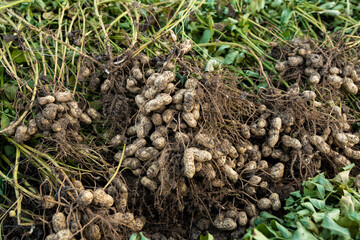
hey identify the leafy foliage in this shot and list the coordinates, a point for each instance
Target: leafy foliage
(325, 209)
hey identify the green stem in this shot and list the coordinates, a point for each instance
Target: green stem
(118, 168)
(11, 4)
(19, 187)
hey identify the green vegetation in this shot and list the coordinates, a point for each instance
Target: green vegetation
(324, 209)
(233, 30)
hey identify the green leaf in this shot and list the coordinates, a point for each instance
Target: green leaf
(258, 235)
(252, 7)
(96, 104)
(208, 236)
(342, 177)
(276, 3)
(142, 237)
(290, 201)
(1, 187)
(348, 167)
(285, 16)
(205, 38)
(318, 216)
(133, 237)
(248, 235)
(304, 213)
(252, 74)
(347, 205)
(268, 216)
(7, 106)
(266, 230)
(333, 227)
(325, 183)
(353, 226)
(334, 214)
(5, 121)
(319, 204)
(308, 206)
(290, 216)
(296, 194)
(330, 12)
(328, 5)
(10, 92)
(221, 50)
(49, 15)
(18, 56)
(284, 231)
(230, 57)
(308, 224)
(312, 189)
(9, 150)
(40, 4)
(231, 21)
(301, 233)
(260, 5)
(2, 70)
(124, 25)
(219, 59)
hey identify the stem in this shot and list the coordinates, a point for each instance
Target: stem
(36, 76)
(117, 169)
(14, 3)
(32, 27)
(19, 187)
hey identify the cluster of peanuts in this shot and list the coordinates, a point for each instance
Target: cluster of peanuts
(167, 113)
(278, 140)
(314, 68)
(91, 203)
(337, 142)
(59, 116)
(230, 220)
(274, 133)
(162, 108)
(239, 163)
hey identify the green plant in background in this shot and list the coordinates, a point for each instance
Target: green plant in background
(254, 24)
(325, 209)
